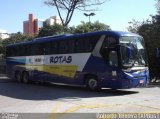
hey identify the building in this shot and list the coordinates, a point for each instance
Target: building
(53, 20)
(4, 34)
(32, 26)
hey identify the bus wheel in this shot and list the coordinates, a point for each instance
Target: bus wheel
(25, 77)
(18, 76)
(92, 83)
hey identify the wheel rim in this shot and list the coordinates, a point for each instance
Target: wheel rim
(93, 84)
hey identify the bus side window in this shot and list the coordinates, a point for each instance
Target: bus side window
(71, 46)
(54, 47)
(15, 51)
(90, 43)
(21, 50)
(29, 50)
(47, 47)
(40, 49)
(63, 46)
(35, 49)
(79, 46)
(9, 51)
(109, 42)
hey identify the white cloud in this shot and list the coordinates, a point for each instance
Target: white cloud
(3, 34)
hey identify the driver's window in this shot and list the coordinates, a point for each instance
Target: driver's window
(113, 58)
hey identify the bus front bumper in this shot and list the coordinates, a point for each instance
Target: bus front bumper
(135, 82)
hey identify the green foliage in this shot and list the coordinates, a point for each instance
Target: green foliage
(51, 30)
(14, 38)
(89, 27)
(150, 32)
(82, 28)
(134, 26)
(1, 47)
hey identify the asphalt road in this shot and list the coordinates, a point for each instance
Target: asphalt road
(50, 98)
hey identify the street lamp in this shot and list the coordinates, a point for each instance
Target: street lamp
(88, 15)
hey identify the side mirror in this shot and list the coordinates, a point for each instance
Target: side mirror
(158, 52)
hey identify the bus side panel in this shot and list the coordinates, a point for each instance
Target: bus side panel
(12, 67)
(47, 77)
(97, 66)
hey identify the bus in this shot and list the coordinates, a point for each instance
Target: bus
(102, 59)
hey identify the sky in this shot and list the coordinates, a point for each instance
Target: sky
(115, 13)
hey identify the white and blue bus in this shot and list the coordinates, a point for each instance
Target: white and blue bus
(103, 59)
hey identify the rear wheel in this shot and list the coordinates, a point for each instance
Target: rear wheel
(92, 83)
(25, 77)
(18, 76)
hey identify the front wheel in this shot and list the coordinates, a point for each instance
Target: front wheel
(92, 83)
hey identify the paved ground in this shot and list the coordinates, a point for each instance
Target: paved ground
(43, 98)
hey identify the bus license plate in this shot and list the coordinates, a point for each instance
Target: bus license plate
(141, 81)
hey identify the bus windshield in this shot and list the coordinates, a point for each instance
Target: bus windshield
(133, 51)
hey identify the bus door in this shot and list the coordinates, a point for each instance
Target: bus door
(110, 53)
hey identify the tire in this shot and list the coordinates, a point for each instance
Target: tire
(25, 77)
(92, 83)
(18, 76)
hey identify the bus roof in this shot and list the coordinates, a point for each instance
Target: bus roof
(59, 37)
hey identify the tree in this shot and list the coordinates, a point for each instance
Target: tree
(55, 29)
(69, 6)
(14, 38)
(1, 46)
(89, 27)
(150, 31)
(134, 26)
(58, 29)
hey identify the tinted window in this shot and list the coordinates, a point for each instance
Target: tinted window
(21, 50)
(39, 49)
(47, 48)
(109, 42)
(90, 43)
(63, 46)
(54, 47)
(71, 46)
(9, 51)
(86, 44)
